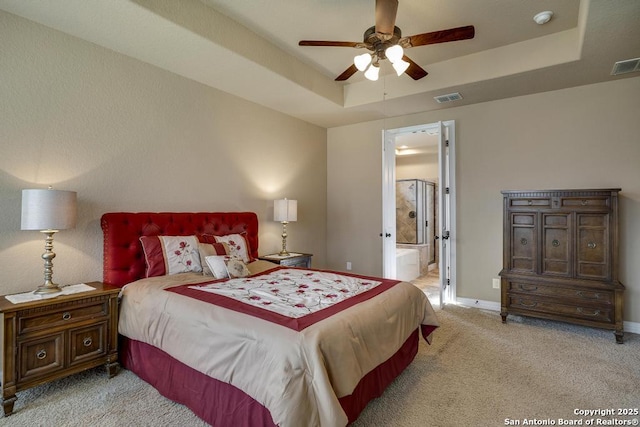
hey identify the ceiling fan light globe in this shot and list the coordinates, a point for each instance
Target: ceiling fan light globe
(394, 53)
(362, 61)
(400, 66)
(372, 73)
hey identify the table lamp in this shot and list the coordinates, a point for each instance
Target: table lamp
(48, 211)
(285, 211)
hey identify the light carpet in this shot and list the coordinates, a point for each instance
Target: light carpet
(477, 372)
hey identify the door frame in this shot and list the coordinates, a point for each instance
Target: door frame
(447, 134)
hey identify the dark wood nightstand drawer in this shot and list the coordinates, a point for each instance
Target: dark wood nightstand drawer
(88, 343)
(60, 314)
(41, 357)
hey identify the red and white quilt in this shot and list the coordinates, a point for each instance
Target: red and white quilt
(292, 339)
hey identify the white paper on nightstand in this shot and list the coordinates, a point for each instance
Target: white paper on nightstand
(66, 290)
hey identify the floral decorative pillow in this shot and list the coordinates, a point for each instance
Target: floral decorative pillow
(236, 268)
(217, 265)
(170, 254)
(238, 245)
(210, 249)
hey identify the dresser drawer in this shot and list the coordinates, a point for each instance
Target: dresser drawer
(60, 314)
(586, 203)
(88, 343)
(529, 202)
(581, 295)
(600, 314)
(41, 357)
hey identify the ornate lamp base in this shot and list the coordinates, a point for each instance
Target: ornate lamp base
(48, 287)
(284, 252)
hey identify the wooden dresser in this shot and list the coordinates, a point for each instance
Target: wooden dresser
(560, 257)
(52, 338)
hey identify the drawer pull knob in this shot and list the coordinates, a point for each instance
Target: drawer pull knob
(591, 245)
(66, 315)
(595, 312)
(584, 203)
(528, 288)
(588, 296)
(524, 241)
(530, 203)
(533, 304)
(42, 354)
(555, 243)
(87, 342)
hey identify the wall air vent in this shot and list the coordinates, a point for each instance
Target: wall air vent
(627, 66)
(448, 97)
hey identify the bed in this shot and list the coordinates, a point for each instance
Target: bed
(233, 361)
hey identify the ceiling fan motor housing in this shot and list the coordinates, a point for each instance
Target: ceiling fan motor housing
(378, 43)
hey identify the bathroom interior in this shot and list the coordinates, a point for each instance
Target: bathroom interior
(416, 209)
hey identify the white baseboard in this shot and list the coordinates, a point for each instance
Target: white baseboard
(632, 327)
(478, 303)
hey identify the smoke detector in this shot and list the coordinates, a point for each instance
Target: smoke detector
(543, 17)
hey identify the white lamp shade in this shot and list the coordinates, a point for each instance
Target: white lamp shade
(372, 72)
(48, 209)
(400, 66)
(285, 210)
(362, 61)
(394, 53)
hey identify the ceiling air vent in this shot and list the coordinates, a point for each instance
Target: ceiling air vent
(448, 97)
(628, 66)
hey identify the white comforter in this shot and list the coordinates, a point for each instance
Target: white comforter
(297, 376)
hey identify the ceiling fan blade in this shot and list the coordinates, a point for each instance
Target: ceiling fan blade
(386, 11)
(450, 35)
(347, 73)
(327, 43)
(414, 71)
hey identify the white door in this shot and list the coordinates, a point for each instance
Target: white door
(388, 233)
(446, 205)
(446, 210)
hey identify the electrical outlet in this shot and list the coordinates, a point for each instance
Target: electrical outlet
(496, 283)
(348, 265)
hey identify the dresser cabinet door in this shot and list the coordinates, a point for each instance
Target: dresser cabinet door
(523, 242)
(593, 246)
(556, 249)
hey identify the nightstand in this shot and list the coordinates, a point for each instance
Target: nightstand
(51, 338)
(294, 259)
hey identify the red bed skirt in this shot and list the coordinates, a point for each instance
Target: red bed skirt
(221, 404)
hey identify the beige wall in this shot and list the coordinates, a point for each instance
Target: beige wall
(419, 166)
(584, 137)
(128, 136)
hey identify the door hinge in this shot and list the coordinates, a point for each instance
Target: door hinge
(446, 143)
(446, 190)
(448, 282)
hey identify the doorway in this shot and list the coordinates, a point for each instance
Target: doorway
(420, 157)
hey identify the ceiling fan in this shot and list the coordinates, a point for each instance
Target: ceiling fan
(385, 41)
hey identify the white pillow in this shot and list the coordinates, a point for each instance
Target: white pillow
(217, 265)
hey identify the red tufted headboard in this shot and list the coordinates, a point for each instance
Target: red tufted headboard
(123, 258)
